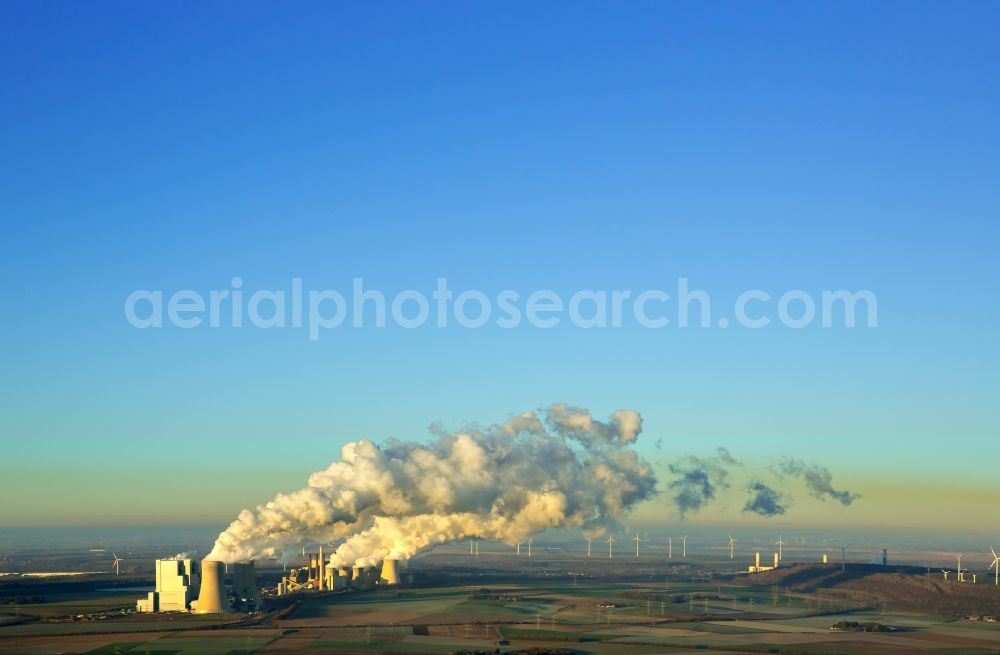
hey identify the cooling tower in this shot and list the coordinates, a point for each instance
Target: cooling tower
(358, 577)
(390, 572)
(212, 596)
(245, 583)
(347, 574)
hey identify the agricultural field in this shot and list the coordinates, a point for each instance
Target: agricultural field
(516, 615)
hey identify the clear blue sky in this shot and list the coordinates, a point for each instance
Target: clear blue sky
(564, 146)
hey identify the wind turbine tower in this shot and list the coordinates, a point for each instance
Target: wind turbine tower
(732, 546)
(684, 546)
(995, 565)
(958, 569)
(637, 539)
(589, 539)
(529, 547)
(611, 546)
(779, 543)
(115, 564)
(670, 547)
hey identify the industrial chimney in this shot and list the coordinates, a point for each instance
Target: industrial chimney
(390, 572)
(212, 596)
(321, 570)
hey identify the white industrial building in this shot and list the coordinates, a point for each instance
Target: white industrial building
(757, 568)
(177, 583)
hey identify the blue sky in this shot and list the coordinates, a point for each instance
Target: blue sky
(565, 146)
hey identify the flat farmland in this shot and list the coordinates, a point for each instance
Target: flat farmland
(586, 617)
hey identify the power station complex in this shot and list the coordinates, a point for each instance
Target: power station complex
(178, 578)
(320, 576)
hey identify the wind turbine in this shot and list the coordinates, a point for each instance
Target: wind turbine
(670, 547)
(116, 563)
(529, 546)
(995, 565)
(843, 558)
(779, 543)
(637, 539)
(589, 539)
(958, 569)
(684, 546)
(945, 571)
(732, 546)
(611, 545)
(519, 548)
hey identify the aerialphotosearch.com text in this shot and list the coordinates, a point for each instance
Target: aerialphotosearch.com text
(319, 310)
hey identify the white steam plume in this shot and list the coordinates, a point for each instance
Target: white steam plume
(505, 483)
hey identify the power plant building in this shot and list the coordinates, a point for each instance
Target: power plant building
(244, 590)
(319, 575)
(176, 580)
(757, 568)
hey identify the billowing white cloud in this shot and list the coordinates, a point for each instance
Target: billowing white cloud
(505, 483)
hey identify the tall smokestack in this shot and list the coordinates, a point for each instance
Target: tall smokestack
(212, 596)
(359, 581)
(322, 570)
(390, 572)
